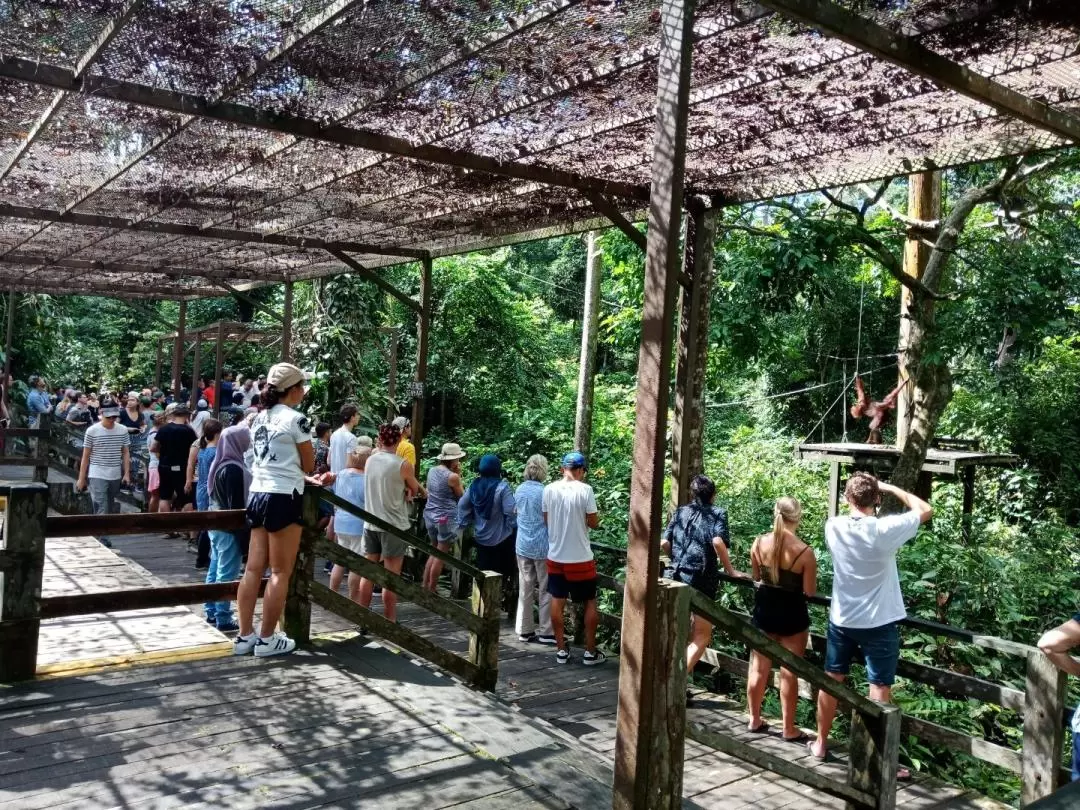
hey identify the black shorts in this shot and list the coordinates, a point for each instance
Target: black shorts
(576, 581)
(172, 487)
(274, 511)
(698, 580)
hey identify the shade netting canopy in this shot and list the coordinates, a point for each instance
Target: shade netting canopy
(158, 148)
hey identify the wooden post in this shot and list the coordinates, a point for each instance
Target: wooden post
(297, 618)
(834, 488)
(196, 372)
(219, 367)
(873, 754)
(688, 423)
(41, 452)
(286, 325)
(1044, 704)
(967, 475)
(157, 367)
(20, 599)
(924, 203)
(178, 351)
(423, 327)
(9, 337)
(590, 325)
(484, 647)
(640, 775)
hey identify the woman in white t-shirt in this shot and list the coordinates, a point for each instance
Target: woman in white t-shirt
(283, 455)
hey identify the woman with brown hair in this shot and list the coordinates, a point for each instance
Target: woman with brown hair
(786, 574)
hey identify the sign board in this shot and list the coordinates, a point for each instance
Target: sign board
(416, 389)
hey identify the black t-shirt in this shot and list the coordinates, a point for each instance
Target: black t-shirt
(175, 441)
(128, 422)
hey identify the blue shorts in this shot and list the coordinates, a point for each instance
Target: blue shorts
(880, 646)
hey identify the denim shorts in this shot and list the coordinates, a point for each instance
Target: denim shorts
(880, 647)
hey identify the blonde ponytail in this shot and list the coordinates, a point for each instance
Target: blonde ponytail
(786, 510)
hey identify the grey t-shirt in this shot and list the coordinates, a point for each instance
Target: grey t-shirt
(384, 491)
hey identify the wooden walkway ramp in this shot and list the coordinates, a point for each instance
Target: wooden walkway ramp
(337, 721)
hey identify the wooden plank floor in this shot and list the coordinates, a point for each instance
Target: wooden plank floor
(578, 704)
(83, 565)
(344, 725)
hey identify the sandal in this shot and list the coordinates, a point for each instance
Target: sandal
(762, 729)
(799, 739)
(828, 757)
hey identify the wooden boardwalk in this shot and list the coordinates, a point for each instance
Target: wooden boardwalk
(573, 706)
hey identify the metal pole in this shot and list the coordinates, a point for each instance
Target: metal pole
(590, 324)
(286, 324)
(648, 765)
(423, 327)
(178, 351)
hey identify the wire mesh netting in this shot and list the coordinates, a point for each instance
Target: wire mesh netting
(100, 190)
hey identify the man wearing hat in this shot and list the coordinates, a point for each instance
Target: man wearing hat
(172, 444)
(106, 461)
(202, 413)
(569, 512)
(405, 448)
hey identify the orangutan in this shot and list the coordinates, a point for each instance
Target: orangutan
(877, 412)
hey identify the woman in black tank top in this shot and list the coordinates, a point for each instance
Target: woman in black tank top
(786, 572)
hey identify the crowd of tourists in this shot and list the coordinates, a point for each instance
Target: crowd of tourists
(259, 455)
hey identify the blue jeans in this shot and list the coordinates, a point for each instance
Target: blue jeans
(224, 567)
(880, 647)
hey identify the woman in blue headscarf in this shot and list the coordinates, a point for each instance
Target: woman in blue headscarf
(488, 506)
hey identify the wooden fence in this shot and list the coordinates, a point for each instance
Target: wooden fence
(1041, 702)
(22, 560)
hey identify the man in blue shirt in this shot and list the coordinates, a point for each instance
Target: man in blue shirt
(37, 401)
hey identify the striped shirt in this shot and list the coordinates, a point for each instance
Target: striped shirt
(106, 448)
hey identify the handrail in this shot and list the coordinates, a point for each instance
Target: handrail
(401, 534)
(745, 632)
(142, 523)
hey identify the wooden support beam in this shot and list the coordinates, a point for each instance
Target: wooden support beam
(219, 367)
(286, 323)
(296, 617)
(612, 212)
(82, 604)
(423, 329)
(1044, 703)
(484, 644)
(196, 372)
(157, 365)
(35, 72)
(687, 459)
(20, 599)
(9, 338)
(375, 279)
(907, 52)
(142, 523)
(590, 327)
(873, 754)
(178, 351)
(640, 717)
(195, 231)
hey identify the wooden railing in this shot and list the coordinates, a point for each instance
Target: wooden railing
(1041, 703)
(25, 447)
(22, 561)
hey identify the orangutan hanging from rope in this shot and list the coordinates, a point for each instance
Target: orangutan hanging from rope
(876, 412)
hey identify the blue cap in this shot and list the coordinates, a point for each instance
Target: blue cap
(571, 461)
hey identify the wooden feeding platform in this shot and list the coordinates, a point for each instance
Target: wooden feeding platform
(953, 459)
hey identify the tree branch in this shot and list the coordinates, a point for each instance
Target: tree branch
(859, 213)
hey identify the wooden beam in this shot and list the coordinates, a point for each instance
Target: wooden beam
(179, 352)
(20, 598)
(423, 330)
(34, 72)
(165, 271)
(637, 744)
(612, 212)
(9, 338)
(195, 231)
(196, 372)
(910, 54)
(693, 346)
(142, 523)
(1044, 703)
(82, 604)
(375, 279)
(219, 368)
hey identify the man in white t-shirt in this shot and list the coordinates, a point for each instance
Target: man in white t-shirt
(866, 600)
(570, 511)
(106, 461)
(343, 440)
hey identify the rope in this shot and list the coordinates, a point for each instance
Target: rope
(785, 394)
(858, 336)
(842, 393)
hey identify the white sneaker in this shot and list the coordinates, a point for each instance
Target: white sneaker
(244, 646)
(279, 644)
